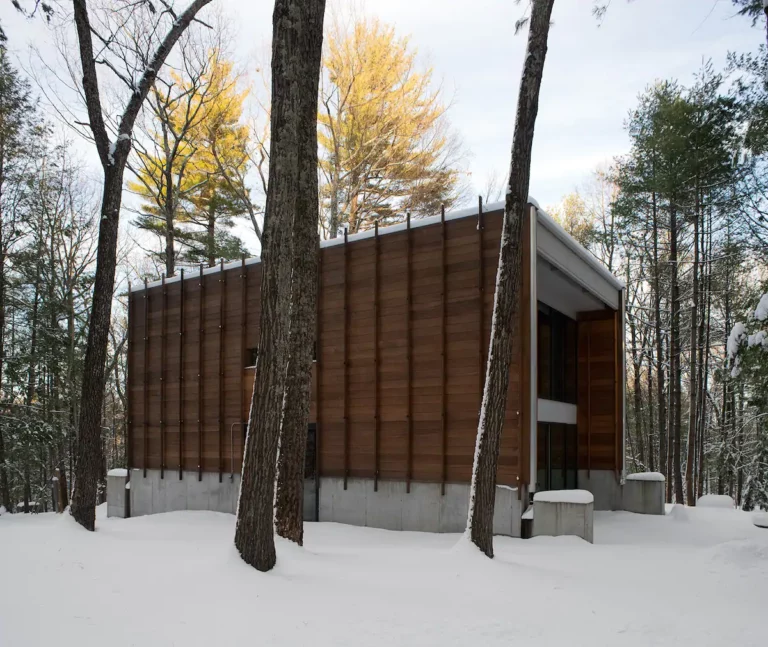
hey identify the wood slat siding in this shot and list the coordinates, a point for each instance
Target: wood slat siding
(599, 414)
(401, 290)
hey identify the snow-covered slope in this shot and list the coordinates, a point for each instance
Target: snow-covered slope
(695, 577)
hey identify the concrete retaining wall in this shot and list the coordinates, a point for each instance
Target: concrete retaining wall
(424, 508)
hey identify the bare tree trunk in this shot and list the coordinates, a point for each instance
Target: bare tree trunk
(690, 464)
(674, 360)
(660, 380)
(113, 156)
(506, 307)
(293, 43)
(293, 436)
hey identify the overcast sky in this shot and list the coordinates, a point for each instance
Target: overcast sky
(592, 76)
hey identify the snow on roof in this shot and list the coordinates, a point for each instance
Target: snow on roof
(543, 219)
(118, 471)
(646, 476)
(564, 496)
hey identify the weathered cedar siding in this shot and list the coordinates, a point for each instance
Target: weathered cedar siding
(345, 447)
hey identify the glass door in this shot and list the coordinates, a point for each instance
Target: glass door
(556, 449)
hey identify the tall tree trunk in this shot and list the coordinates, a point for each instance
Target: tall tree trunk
(660, 380)
(690, 464)
(506, 306)
(170, 234)
(705, 350)
(293, 44)
(674, 358)
(651, 413)
(293, 436)
(88, 447)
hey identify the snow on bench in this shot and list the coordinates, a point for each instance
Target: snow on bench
(760, 519)
(118, 471)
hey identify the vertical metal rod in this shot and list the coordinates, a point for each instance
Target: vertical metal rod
(163, 357)
(589, 398)
(129, 384)
(346, 361)
(409, 353)
(146, 376)
(318, 377)
(616, 356)
(243, 332)
(481, 295)
(222, 310)
(181, 374)
(200, 407)
(376, 427)
(443, 358)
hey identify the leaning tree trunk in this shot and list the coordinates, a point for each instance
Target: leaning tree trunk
(113, 156)
(506, 306)
(293, 435)
(89, 460)
(291, 47)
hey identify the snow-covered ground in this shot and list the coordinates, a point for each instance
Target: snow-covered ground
(695, 577)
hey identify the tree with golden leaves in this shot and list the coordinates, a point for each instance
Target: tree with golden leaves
(190, 172)
(385, 144)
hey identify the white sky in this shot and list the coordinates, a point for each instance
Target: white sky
(592, 75)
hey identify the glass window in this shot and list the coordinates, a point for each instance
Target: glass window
(556, 355)
(556, 456)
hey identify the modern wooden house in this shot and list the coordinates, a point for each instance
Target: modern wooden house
(404, 316)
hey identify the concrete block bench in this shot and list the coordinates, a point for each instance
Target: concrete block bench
(643, 493)
(117, 495)
(563, 512)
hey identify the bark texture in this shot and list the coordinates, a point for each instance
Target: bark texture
(506, 307)
(113, 156)
(254, 533)
(293, 435)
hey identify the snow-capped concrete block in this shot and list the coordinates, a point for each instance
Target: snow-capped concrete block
(117, 495)
(643, 493)
(563, 512)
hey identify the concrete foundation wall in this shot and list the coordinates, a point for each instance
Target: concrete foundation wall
(604, 486)
(423, 509)
(152, 494)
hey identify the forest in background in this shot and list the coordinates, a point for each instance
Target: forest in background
(681, 218)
